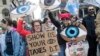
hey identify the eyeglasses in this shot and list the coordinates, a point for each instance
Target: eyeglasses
(36, 25)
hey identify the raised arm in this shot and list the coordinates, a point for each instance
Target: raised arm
(53, 20)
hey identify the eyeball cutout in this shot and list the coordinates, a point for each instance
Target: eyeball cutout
(23, 9)
(72, 31)
(49, 2)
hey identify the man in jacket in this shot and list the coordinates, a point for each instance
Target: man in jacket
(89, 23)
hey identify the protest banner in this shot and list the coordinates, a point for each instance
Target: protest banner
(42, 44)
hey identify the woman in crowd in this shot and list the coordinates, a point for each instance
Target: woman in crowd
(36, 27)
(66, 20)
(12, 39)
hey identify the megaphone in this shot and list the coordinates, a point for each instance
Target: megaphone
(50, 4)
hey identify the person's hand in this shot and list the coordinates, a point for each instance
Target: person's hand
(68, 39)
(76, 40)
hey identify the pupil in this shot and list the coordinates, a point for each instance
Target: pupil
(23, 9)
(49, 1)
(72, 31)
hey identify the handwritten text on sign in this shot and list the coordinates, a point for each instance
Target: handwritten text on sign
(41, 43)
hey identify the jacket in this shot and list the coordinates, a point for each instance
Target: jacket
(2, 43)
(23, 32)
(17, 42)
(89, 23)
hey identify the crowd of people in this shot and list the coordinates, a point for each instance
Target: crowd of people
(13, 33)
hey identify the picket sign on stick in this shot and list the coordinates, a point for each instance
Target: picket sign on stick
(42, 44)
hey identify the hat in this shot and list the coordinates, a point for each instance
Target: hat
(65, 16)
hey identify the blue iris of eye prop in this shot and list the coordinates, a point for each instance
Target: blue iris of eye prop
(72, 31)
(23, 9)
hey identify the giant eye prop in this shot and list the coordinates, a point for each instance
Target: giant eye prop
(72, 31)
(50, 4)
(23, 9)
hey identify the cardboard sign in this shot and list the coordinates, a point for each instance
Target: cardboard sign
(43, 43)
(52, 43)
(36, 44)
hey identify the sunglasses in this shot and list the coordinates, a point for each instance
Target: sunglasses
(91, 9)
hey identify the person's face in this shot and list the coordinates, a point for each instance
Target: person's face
(37, 27)
(73, 19)
(66, 21)
(91, 10)
(48, 21)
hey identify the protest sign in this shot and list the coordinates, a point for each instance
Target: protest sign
(36, 44)
(52, 43)
(42, 43)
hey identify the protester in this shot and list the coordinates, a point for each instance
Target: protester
(77, 42)
(60, 27)
(12, 39)
(2, 42)
(36, 27)
(89, 23)
(97, 24)
(77, 24)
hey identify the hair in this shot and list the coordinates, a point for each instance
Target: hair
(64, 11)
(45, 20)
(14, 23)
(7, 21)
(32, 23)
